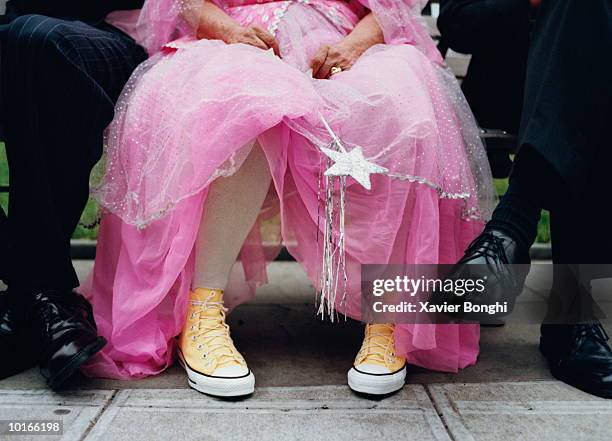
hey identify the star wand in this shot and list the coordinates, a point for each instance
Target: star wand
(346, 163)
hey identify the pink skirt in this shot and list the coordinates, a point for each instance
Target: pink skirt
(191, 114)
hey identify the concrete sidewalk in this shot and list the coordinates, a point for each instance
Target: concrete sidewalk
(300, 364)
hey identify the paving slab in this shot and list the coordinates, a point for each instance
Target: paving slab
(77, 410)
(525, 411)
(324, 412)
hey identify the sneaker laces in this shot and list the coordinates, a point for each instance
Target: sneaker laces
(378, 346)
(213, 334)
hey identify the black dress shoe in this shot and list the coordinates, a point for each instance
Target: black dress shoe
(580, 356)
(15, 347)
(64, 325)
(501, 264)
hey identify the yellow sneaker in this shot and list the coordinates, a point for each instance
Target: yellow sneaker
(206, 351)
(377, 370)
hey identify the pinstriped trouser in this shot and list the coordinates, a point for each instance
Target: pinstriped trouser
(60, 80)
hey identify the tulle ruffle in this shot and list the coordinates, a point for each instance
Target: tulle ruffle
(420, 129)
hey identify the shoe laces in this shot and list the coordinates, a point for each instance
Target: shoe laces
(212, 334)
(593, 330)
(494, 249)
(378, 346)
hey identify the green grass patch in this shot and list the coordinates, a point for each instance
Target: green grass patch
(81, 232)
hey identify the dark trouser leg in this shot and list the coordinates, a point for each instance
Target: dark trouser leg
(3, 219)
(568, 100)
(570, 301)
(532, 182)
(3, 243)
(568, 94)
(60, 81)
(582, 245)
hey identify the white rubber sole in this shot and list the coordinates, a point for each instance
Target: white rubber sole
(219, 387)
(376, 384)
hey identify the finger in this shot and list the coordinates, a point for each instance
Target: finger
(269, 39)
(325, 69)
(256, 41)
(318, 61)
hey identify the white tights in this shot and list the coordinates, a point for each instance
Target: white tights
(231, 209)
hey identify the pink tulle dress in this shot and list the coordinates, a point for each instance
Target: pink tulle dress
(193, 111)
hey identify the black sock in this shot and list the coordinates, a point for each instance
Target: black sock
(516, 216)
(531, 185)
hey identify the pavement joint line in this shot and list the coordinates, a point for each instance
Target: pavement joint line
(99, 415)
(430, 413)
(439, 412)
(450, 415)
(97, 430)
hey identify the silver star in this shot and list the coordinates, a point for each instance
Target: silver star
(352, 164)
